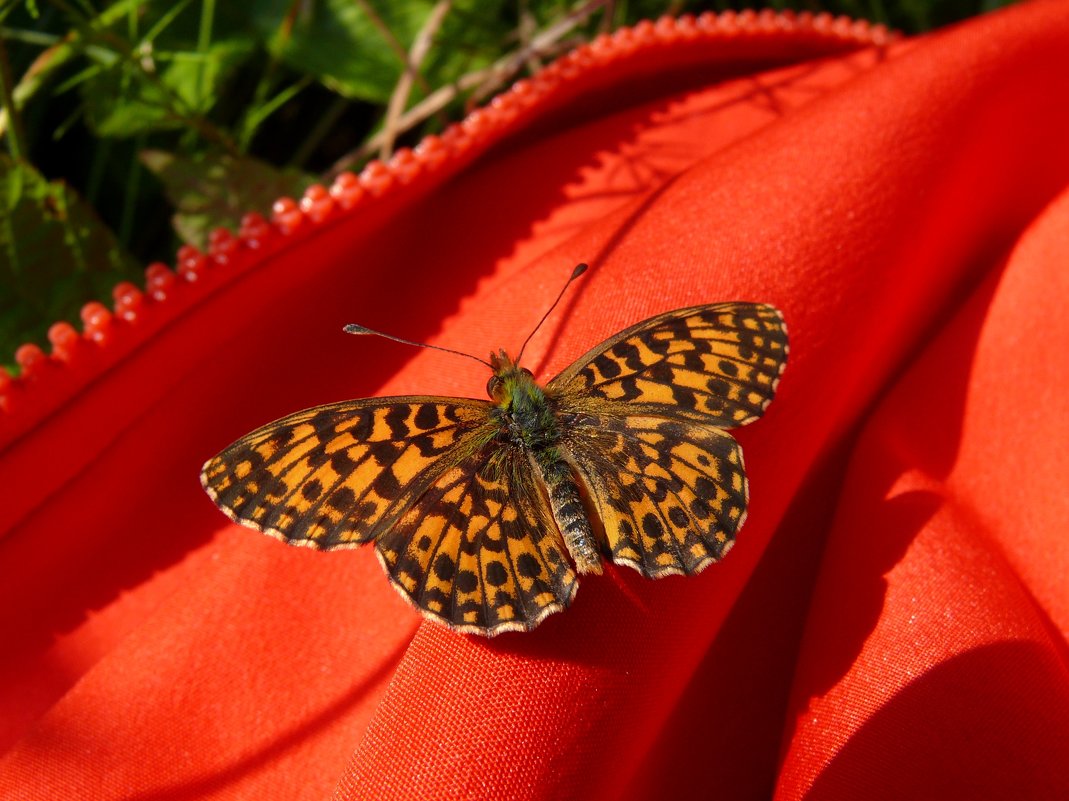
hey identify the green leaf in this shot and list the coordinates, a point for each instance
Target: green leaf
(163, 90)
(336, 41)
(474, 35)
(55, 255)
(210, 190)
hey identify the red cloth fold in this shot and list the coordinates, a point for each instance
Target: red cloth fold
(892, 621)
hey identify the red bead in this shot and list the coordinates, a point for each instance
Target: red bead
(376, 177)
(317, 203)
(405, 165)
(346, 190)
(254, 230)
(128, 300)
(30, 358)
(159, 280)
(96, 319)
(64, 340)
(287, 215)
(191, 263)
(222, 244)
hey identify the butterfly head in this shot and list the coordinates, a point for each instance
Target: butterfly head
(509, 380)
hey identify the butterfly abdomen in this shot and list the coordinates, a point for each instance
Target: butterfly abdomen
(569, 513)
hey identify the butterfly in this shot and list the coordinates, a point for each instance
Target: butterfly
(484, 512)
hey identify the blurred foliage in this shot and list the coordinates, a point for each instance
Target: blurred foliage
(213, 189)
(54, 248)
(131, 126)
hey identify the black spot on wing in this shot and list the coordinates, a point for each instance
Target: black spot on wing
(427, 416)
(466, 581)
(341, 464)
(342, 499)
(527, 566)
(606, 366)
(653, 517)
(444, 567)
(496, 575)
(396, 418)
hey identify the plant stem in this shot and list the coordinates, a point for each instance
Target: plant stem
(483, 81)
(90, 32)
(505, 68)
(28, 37)
(391, 40)
(204, 39)
(97, 166)
(399, 99)
(133, 185)
(16, 136)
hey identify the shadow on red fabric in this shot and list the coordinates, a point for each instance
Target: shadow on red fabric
(892, 621)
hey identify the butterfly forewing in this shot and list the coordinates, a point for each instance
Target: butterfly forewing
(336, 475)
(479, 549)
(670, 494)
(718, 364)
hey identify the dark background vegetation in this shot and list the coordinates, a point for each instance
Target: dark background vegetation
(130, 127)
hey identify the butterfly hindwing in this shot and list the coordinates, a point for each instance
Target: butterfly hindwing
(644, 414)
(718, 363)
(479, 550)
(336, 475)
(669, 494)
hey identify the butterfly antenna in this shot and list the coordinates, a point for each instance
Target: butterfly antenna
(578, 271)
(360, 330)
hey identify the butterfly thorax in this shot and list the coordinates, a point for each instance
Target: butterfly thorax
(528, 422)
(525, 414)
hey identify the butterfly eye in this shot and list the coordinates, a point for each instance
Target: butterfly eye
(527, 372)
(493, 386)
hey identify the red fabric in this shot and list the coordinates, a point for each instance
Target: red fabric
(893, 620)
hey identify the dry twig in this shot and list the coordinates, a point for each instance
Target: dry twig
(399, 99)
(481, 83)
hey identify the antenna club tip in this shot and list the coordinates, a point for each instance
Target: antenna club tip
(353, 328)
(579, 270)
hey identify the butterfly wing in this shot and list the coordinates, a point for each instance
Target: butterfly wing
(461, 527)
(717, 364)
(335, 476)
(479, 550)
(643, 417)
(669, 494)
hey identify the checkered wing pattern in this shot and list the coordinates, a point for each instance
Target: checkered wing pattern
(335, 476)
(718, 365)
(669, 494)
(644, 415)
(458, 494)
(480, 549)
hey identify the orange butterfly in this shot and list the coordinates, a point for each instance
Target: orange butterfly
(482, 512)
